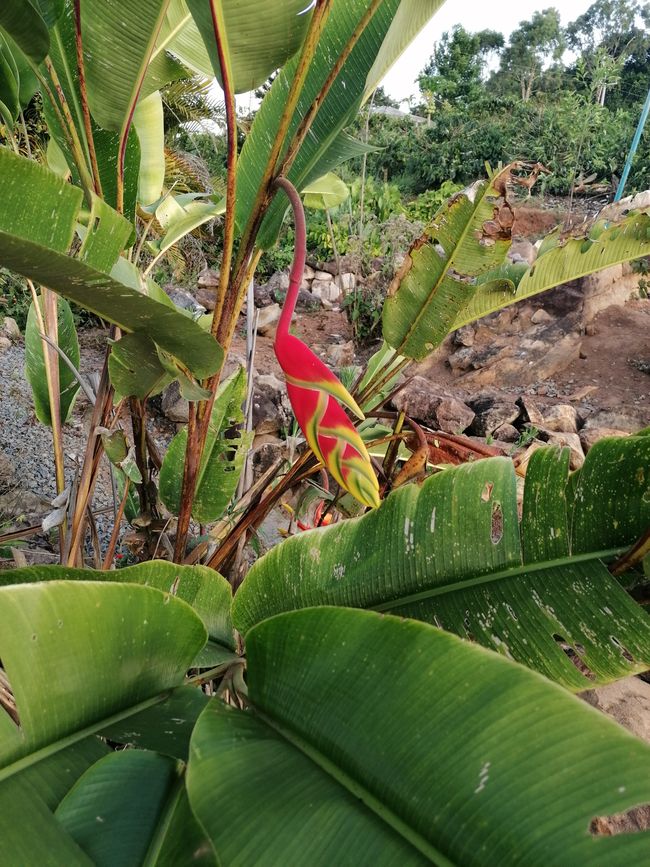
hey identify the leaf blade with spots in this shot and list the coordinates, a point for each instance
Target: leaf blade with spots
(450, 554)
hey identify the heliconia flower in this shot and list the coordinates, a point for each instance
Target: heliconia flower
(315, 392)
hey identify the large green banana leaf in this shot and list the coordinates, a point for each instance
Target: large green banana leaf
(451, 553)
(37, 224)
(63, 55)
(261, 35)
(371, 58)
(562, 257)
(80, 657)
(21, 20)
(205, 590)
(82, 644)
(222, 460)
(9, 85)
(119, 39)
(136, 793)
(377, 741)
(440, 273)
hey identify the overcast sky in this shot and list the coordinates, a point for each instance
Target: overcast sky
(473, 15)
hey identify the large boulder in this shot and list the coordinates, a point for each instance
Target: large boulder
(491, 410)
(272, 413)
(433, 408)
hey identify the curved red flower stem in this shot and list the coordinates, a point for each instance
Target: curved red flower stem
(299, 256)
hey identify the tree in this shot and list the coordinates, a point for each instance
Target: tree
(381, 98)
(454, 71)
(530, 46)
(609, 38)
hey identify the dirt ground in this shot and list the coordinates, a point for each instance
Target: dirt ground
(618, 341)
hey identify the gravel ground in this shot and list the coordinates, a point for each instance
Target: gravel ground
(27, 484)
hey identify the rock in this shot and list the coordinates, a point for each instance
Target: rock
(262, 295)
(616, 420)
(17, 501)
(531, 357)
(347, 283)
(279, 280)
(531, 411)
(500, 322)
(561, 417)
(267, 318)
(323, 276)
(464, 336)
(571, 441)
(325, 289)
(184, 299)
(507, 433)
(272, 411)
(521, 250)
(341, 354)
(522, 460)
(541, 317)
(308, 273)
(209, 277)
(590, 436)
(266, 454)
(434, 409)
(305, 301)
(491, 411)
(628, 703)
(5, 344)
(173, 404)
(9, 328)
(462, 360)
(206, 296)
(7, 473)
(582, 393)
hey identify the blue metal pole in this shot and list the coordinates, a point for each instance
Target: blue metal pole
(635, 143)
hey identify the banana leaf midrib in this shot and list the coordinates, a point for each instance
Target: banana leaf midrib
(356, 789)
(68, 740)
(491, 577)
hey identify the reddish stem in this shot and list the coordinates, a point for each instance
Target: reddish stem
(299, 257)
(81, 70)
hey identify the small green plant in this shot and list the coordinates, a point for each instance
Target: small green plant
(526, 437)
(363, 307)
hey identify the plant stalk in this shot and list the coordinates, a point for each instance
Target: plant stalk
(81, 72)
(264, 194)
(334, 73)
(69, 127)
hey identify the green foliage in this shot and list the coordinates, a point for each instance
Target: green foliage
(310, 782)
(454, 73)
(35, 362)
(222, 459)
(453, 553)
(363, 307)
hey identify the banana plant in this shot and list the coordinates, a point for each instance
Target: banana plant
(462, 764)
(469, 757)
